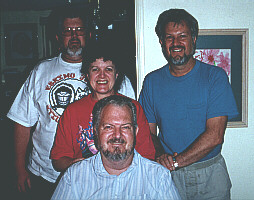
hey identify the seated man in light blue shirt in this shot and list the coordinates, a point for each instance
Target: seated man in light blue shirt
(117, 171)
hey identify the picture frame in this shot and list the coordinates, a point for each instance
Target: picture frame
(236, 41)
(21, 44)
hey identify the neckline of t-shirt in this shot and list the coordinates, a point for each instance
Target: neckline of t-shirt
(67, 64)
(95, 101)
(195, 68)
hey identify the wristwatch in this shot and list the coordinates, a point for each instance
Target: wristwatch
(175, 162)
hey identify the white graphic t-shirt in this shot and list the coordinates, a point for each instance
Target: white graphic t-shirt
(51, 86)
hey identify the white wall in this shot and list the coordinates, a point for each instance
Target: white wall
(238, 147)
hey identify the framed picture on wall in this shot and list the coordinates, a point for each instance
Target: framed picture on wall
(21, 43)
(228, 49)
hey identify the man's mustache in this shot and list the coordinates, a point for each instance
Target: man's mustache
(117, 140)
(74, 40)
(182, 47)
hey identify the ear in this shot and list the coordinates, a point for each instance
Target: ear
(160, 42)
(116, 75)
(57, 38)
(88, 36)
(194, 41)
(137, 130)
(87, 76)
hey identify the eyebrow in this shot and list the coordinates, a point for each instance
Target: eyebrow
(129, 123)
(184, 32)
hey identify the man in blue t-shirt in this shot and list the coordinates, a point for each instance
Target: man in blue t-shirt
(190, 102)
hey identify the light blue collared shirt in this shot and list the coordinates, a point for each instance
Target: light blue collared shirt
(144, 179)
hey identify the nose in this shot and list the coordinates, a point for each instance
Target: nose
(102, 74)
(73, 32)
(117, 132)
(175, 41)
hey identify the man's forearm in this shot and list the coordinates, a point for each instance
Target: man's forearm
(196, 151)
(159, 150)
(205, 143)
(21, 140)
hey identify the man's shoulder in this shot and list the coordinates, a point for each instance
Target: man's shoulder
(211, 69)
(47, 61)
(83, 165)
(157, 72)
(43, 64)
(150, 166)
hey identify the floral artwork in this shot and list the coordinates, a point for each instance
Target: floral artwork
(216, 57)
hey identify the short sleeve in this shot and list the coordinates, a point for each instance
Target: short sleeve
(221, 101)
(145, 99)
(126, 88)
(23, 109)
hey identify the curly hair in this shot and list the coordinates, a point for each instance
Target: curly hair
(177, 16)
(107, 51)
(58, 15)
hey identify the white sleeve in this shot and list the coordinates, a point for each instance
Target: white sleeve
(126, 88)
(23, 110)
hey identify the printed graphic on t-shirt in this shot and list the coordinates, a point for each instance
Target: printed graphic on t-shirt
(63, 90)
(86, 141)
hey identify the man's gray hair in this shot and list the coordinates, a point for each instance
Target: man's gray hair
(116, 100)
(177, 16)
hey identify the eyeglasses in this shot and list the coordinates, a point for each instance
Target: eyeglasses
(68, 31)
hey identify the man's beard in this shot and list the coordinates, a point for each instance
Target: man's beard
(117, 155)
(74, 50)
(178, 60)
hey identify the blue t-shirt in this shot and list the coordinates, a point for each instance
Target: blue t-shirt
(180, 106)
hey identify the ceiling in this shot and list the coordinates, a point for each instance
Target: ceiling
(15, 5)
(36, 4)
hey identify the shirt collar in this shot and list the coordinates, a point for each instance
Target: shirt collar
(101, 171)
(67, 63)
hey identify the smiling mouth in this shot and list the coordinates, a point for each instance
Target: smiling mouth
(177, 50)
(116, 141)
(102, 82)
(117, 144)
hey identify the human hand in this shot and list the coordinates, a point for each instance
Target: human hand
(76, 160)
(23, 181)
(167, 161)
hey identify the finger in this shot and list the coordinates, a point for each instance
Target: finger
(165, 162)
(76, 160)
(162, 162)
(169, 161)
(22, 188)
(19, 189)
(79, 159)
(29, 183)
(158, 159)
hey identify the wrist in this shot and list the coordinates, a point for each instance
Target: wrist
(175, 163)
